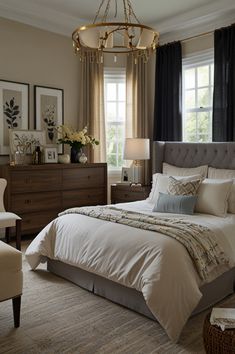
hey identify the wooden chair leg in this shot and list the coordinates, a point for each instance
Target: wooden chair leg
(7, 234)
(18, 234)
(16, 302)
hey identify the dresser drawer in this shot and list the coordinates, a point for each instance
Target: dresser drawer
(127, 195)
(29, 202)
(35, 181)
(35, 222)
(83, 197)
(83, 177)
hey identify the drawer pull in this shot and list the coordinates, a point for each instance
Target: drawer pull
(88, 177)
(126, 195)
(27, 201)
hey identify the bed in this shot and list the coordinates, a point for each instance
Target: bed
(138, 293)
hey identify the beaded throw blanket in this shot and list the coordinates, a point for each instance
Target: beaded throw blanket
(199, 240)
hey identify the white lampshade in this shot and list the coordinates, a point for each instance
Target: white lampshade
(146, 39)
(90, 37)
(136, 149)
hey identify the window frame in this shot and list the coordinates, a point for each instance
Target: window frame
(117, 75)
(195, 61)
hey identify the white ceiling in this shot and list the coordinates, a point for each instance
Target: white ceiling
(173, 19)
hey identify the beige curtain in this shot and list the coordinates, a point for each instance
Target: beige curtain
(139, 111)
(92, 103)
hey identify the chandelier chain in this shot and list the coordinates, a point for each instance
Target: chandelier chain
(98, 11)
(128, 11)
(115, 15)
(132, 12)
(106, 12)
(125, 11)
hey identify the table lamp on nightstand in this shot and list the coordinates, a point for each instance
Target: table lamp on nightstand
(136, 149)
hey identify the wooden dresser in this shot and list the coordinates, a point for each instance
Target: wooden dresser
(38, 193)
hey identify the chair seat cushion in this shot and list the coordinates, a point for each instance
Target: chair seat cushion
(11, 275)
(10, 258)
(8, 219)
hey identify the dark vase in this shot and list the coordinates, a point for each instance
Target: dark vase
(50, 135)
(75, 154)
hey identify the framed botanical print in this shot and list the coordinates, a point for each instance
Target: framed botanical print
(14, 110)
(49, 112)
(25, 141)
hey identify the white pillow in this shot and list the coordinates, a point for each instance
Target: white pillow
(225, 174)
(182, 171)
(161, 184)
(213, 197)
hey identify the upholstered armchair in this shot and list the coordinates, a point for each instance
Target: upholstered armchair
(11, 278)
(7, 219)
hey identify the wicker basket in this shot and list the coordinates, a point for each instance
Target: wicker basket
(217, 341)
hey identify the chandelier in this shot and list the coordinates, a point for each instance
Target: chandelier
(126, 37)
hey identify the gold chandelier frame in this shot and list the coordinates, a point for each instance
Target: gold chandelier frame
(125, 25)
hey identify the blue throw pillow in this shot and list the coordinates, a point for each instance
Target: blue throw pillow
(177, 204)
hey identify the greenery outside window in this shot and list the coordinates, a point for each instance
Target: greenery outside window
(115, 115)
(198, 75)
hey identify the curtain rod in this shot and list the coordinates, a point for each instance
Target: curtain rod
(197, 36)
(201, 34)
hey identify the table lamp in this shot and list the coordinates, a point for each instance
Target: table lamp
(136, 149)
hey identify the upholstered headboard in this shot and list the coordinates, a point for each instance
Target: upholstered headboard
(218, 155)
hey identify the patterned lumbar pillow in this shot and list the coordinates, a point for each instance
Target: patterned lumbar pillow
(177, 187)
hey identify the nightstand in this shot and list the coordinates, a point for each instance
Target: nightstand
(126, 193)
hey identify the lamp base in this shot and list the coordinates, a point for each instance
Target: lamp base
(137, 173)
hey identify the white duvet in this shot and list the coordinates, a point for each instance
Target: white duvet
(157, 265)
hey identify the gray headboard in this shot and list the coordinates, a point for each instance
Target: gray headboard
(218, 155)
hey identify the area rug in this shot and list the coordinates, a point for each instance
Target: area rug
(59, 317)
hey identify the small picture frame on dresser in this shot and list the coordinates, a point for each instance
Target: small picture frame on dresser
(50, 155)
(126, 175)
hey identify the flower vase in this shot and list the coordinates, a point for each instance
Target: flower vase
(75, 154)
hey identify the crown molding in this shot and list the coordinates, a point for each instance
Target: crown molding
(192, 23)
(205, 18)
(34, 15)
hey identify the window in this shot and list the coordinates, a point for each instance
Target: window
(115, 115)
(198, 74)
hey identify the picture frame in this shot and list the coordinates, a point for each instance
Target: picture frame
(126, 175)
(50, 155)
(49, 112)
(25, 141)
(14, 110)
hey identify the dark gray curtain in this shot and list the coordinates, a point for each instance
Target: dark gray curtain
(168, 93)
(224, 85)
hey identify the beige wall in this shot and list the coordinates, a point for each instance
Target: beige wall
(197, 44)
(40, 57)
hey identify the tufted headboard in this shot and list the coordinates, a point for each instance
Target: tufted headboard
(218, 155)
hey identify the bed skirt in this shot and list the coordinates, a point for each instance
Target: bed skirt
(213, 292)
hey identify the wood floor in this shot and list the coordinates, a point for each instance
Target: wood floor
(59, 317)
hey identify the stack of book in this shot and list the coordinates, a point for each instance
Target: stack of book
(223, 318)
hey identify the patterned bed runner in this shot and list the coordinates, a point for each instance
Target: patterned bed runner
(199, 240)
